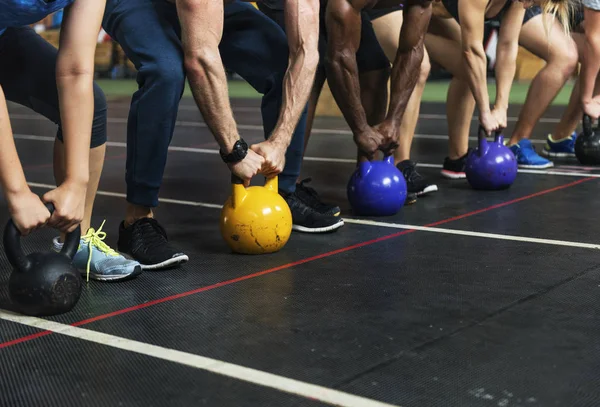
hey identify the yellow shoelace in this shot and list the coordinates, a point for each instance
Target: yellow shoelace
(95, 238)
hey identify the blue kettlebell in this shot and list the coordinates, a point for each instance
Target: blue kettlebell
(376, 188)
(492, 166)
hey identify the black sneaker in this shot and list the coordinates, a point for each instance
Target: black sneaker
(307, 219)
(146, 241)
(310, 197)
(411, 198)
(455, 169)
(415, 182)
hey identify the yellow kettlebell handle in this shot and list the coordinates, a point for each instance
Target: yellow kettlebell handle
(239, 192)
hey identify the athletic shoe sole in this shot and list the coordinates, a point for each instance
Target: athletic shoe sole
(557, 155)
(323, 229)
(172, 262)
(536, 167)
(122, 277)
(453, 174)
(428, 189)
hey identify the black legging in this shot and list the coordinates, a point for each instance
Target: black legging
(28, 77)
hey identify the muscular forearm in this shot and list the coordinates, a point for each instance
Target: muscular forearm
(76, 101)
(405, 74)
(297, 85)
(506, 66)
(342, 75)
(11, 173)
(208, 84)
(302, 28)
(475, 64)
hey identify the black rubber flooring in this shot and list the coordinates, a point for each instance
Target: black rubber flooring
(444, 316)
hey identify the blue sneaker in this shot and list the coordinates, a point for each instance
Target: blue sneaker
(561, 148)
(97, 260)
(527, 157)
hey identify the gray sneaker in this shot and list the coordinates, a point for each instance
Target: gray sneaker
(97, 260)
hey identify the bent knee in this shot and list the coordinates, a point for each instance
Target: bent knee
(565, 58)
(166, 73)
(425, 69)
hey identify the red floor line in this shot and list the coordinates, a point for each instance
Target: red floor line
(292, 264)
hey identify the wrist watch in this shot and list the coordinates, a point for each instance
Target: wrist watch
(237, 154)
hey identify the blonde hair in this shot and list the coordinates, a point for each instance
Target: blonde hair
(562, 10)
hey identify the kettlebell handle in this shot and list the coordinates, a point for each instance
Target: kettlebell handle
(14, 252)
(587, 125)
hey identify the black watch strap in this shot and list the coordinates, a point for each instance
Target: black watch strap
(238, 152)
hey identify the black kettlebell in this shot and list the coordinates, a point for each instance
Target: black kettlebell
(42, 283)
(587, 145)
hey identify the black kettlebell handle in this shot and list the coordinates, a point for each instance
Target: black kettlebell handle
(14, 252)
(587, 125)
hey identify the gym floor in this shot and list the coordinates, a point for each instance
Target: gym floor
(466, 298)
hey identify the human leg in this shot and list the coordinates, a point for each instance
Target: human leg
(28, 77)
(561, 143)
(148, 31)
(443, 45)
(387, 29)
(561, 58)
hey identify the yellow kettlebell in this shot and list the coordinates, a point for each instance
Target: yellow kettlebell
(256, 220)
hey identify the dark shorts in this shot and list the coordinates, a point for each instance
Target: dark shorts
(452, 7)
(576, 17)
(28, 77)
(369, 57)
(374, 14)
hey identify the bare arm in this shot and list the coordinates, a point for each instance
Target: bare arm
(201, 32)
(472, 19)
(11, 172)
(75, 85)
(591, 55)
(407, 64)
(74, 79)
(506, 53)
(344, 32)
(302, 29)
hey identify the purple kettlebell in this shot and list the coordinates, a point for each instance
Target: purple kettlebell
(492, 166)
(377, 188)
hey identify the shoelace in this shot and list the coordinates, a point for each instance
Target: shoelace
(151, 235)
(311, 192)
(94, 238)
(413, 175)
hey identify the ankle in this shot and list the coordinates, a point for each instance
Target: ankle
(558, 137)
(135, 213)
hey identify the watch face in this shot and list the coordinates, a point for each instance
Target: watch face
(239, 151)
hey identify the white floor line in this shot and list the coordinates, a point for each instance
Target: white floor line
(307, 158)
(375, 223)
(474, 234)
(339, 132)
(258, 377)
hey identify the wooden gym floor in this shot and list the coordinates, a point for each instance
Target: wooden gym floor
(465, 299)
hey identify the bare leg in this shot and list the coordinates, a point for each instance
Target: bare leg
(96, 164)
(136, 212)
(443, 45)
(561, 59)
(460, 106)
(572, 115)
